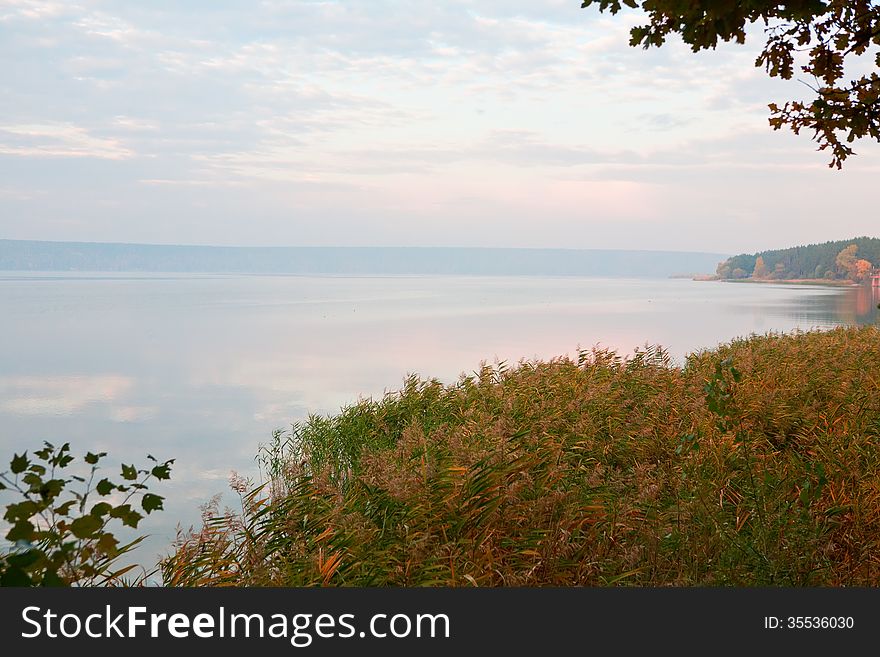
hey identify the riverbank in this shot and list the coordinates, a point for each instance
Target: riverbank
(756, 463)
(824, 282)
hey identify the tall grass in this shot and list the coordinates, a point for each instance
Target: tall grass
(755, 463)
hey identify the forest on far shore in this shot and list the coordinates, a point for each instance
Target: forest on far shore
(852, 260)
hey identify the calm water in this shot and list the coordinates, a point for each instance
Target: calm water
(203, 368)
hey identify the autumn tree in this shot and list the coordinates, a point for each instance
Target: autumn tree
(863, 270)
(827, 33)
(846, 261)
(760, 269)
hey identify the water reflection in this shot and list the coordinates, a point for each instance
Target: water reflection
(58, 395)
(203, 368)
(827, 307)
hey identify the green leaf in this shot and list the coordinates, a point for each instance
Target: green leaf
(19, 464)
(101, 509)
(33, 480)
(51, 489)
(127, 515)
(86, 526)
(152, 502)
(64, 509)
(129, 472)
(22, 510)
(63, 458)
(51, 578)
(23, 530)
(92, 459)
(24, 559)
(108, 544)
(104, 487)
(162, 471)
(15, 577)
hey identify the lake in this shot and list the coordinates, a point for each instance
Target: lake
(202, 368)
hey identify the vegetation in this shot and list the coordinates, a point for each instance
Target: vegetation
(829, 34)
(846, 260)
(752, 464)
(62, 537)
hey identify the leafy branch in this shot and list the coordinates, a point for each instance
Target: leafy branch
(61, 537)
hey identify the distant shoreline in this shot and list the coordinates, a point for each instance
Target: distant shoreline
(24, 255)
(822, 282)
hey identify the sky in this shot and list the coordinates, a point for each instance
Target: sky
(506, 123)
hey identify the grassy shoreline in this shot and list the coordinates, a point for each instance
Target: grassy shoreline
(756, 463)
(823, 282)
(799, 281)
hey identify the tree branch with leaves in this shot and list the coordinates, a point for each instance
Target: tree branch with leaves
(61, 536)
(826, 34)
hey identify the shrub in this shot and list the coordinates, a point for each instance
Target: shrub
(62, 537)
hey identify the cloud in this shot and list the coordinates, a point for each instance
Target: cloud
(321, 120)
(133, 413)
(58, 140)
(135, 124)
(34, 10)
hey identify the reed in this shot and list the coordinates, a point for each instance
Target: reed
(755, 463)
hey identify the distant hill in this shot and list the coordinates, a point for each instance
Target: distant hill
(19, 255)
(830, 261)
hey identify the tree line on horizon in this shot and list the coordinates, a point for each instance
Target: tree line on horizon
(852, 260)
